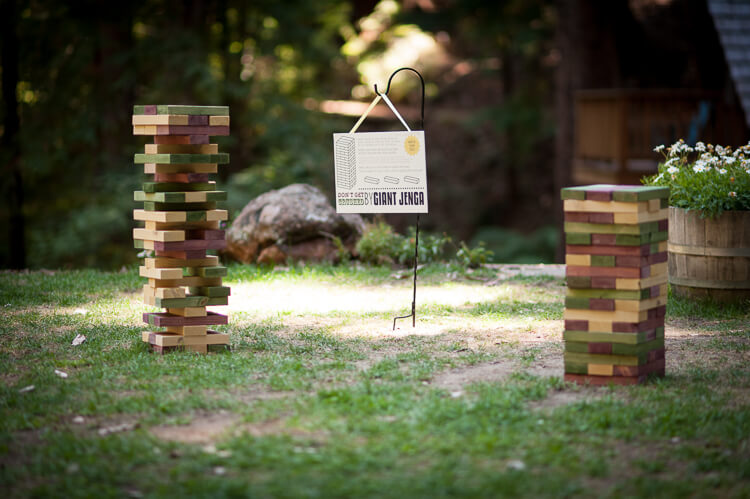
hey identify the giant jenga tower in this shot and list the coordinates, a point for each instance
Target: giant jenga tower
(181, 223)
(616, 257)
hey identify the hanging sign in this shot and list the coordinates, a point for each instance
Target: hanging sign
(380, 172)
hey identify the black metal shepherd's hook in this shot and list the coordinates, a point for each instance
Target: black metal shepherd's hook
(413, 314)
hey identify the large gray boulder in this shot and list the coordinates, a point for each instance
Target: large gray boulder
(296, 222)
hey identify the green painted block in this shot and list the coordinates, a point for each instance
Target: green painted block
(210, 291)
(576, 368)
(659, 332)
(631, 240)
(664, 203)
(176, 197)
(594, 337)
(642, 193)
(577, 238)
(638, 349)
(602, 261)
(188, 301)
(656, 237)
(617, 294)
(615, 360)
(194, 110)
(576, 302)
(138, 244)
(217, 271)
(158, 206)
(174, 159)
(178, 186)
(578, 281)
(218, 300)
(576, 347)
(573, 193)
(632, 229)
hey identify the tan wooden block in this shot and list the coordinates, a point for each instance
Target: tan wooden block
(217, 215)
(658, 269)
(196, 197)
(601, 369)
(163, 292)
(160, 119)
(151, 168)
(159, 216)
(642, 217)
(218, 120)
(168, 263)
(159, 235)
(181, 149)
(185, 281)
(600, 326)
(654, 205)
(154, 273)
(149, 225)
(638, 305)
(144, 130)
(197, 348)
(604, 206)
(663, 245)
(583, 260)
(605, 315)
(188, 311)
(648, 282)
(163, 339)
(188, 330)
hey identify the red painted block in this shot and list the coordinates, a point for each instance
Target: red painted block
(602, 348)
(197, 120)
(580, 249)
(657, 258)
(199, 139)
(603, 195)
(577, 216)
(576, 325)
(604, 282)
(185, 255)
(631, 261)
(183, 178)
(602, 218)
(601, 304)
(655, 367)
(603, 239)
(657, 354)
(582, 270)
(637, 327)
(206, 234)
(645, 271)
(190, 244)
(172, 139)
(664, 224)
(191, 130)
(654, 291)
(149, 109)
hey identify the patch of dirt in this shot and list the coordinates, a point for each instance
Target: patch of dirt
(203, 429)
(456, 379)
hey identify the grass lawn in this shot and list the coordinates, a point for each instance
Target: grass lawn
(319, 398)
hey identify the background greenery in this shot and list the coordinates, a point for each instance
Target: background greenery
(82, 65)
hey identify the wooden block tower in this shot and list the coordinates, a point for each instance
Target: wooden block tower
(616, 257)
(181, 223)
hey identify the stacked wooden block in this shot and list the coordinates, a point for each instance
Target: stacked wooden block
(616, 257)
(181, 224)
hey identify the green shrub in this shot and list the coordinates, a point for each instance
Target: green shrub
(473, 257)
(380, 244)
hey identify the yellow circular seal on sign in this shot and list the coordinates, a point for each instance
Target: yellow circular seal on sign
(411, 145)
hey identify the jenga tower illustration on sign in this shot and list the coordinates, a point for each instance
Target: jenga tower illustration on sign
(181, 224)
(616, 256)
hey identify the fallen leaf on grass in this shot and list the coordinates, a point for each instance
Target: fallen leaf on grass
(61, 374)
(27, 389)
(78, 340)
(108, 430)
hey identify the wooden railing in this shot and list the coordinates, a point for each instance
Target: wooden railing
(616, 130)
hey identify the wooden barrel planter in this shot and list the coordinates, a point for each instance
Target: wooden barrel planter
(710, 258)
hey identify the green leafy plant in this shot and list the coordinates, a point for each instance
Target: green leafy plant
(473, 257)
(381, 244)
(706, 178)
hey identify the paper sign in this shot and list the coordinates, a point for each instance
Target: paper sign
(380, 172)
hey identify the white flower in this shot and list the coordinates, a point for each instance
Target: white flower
(673, 169)
(699, 168)
(732, 194)
(659, 177)
(671, 161)
(729, 159)
(721, 170)
(659, 148)
(700, 146)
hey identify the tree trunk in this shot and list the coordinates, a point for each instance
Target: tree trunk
(10, 140)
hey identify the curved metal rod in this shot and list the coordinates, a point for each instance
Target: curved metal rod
(388, 89)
